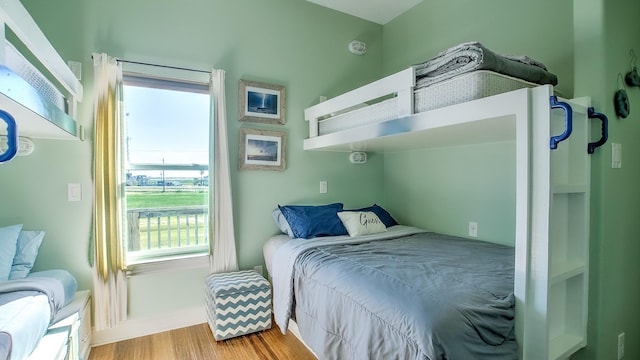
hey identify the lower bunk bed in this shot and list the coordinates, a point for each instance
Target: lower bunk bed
(404, 293)
(28, 306)
(42, 315)
(548, 283)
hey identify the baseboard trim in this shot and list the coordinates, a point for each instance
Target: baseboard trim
(130, 329)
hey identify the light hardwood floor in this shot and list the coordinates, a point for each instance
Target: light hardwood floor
(197, 342)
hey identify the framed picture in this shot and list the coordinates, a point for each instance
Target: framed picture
(262, 149)
(261, 102)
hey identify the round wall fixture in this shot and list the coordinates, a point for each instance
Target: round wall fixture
(358, 47)
(358, 157)
(25, 145)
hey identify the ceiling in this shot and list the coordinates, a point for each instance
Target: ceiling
(378, 11)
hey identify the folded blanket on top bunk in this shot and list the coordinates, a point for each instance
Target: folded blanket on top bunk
(472, 56)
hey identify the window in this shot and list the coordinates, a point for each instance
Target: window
(166, 168)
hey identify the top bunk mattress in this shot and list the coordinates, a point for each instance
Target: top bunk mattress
(465, 87)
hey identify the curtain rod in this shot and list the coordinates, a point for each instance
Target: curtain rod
(162, 66)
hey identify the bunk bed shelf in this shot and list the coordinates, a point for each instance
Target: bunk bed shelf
(563, 346)
(569, 188)
(447, 126)
(566, 270)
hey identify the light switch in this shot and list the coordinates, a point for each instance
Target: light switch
(74, 192)
(323, 187)
(616, 156)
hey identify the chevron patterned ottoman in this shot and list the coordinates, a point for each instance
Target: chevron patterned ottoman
(238, 303)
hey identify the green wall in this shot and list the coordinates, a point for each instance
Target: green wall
(470, 183)
(289, 42)
(444, 189)
(541, 29)
(608, 30)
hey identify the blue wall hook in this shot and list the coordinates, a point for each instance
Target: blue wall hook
(12, 137)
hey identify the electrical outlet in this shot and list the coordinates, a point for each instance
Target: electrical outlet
(620, 346)
(473, 229)
(616, 155)
(323, 187)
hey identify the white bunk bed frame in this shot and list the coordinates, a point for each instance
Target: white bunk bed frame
(46, 121)
(70, 338)
(552, 191)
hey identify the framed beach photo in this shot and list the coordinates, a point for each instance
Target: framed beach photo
(262, 149)
(261, 102)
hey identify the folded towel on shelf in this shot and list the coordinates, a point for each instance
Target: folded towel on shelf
(472, 56)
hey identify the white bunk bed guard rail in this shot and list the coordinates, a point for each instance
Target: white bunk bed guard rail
(400, 84)
(40, 108)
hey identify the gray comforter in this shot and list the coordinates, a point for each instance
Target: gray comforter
(472, 56)
(421, 296)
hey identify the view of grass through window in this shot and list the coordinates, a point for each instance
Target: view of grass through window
(166, 149)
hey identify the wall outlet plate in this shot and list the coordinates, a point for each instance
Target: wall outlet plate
(473, 229)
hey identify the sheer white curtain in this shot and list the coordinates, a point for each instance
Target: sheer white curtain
(109, 280)
(222, 235)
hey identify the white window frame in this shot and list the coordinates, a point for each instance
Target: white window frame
(197, 256)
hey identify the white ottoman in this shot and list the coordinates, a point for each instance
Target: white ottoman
(238, 303)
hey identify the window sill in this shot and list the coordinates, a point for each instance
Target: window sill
(168, 264)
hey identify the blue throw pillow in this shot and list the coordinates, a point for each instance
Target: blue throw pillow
(311, 221)
(383, 215)
(8, 242)
(26, 253)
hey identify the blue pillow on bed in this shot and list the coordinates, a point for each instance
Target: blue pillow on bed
(383, 215)
(8, 243)
(26, 253)
(311, 221)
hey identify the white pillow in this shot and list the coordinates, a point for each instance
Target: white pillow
(361, 222)
(282, 223)
(26, 253)
(8, 243)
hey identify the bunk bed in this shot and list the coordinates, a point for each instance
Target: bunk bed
(552, 147)
(39, 93)
(42, 315)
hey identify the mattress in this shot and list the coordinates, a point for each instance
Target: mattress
(28, 306)
(462, 88)
(269, 249)
(23, 322)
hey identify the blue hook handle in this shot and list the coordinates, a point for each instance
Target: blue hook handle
(591, 113)
(12, 137)
(555, 104)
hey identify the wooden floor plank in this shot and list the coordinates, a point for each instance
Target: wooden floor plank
(197, 343)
